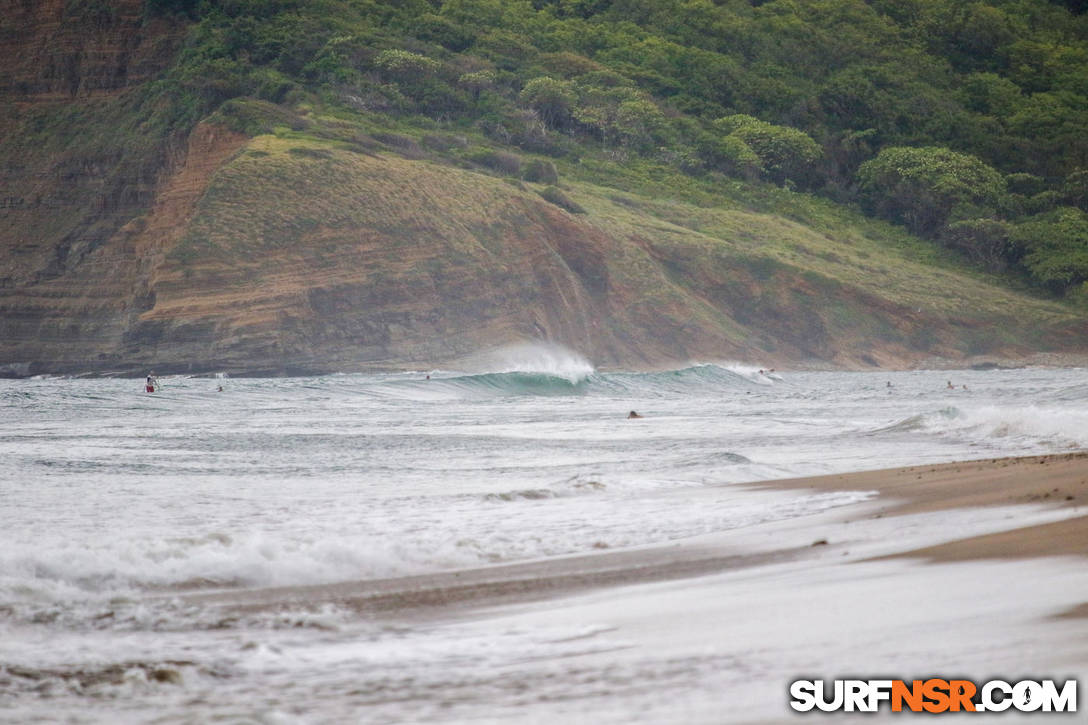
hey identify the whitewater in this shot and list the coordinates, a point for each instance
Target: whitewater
(116, 504)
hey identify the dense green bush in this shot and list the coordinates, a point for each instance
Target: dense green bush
(922, 187)
(1056, 247)
(823, 96)
(783, 153)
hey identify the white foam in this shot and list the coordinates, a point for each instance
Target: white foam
(576, 517)
(57, 571)
(1061, 427)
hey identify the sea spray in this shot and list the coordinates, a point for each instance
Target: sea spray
(545, 358)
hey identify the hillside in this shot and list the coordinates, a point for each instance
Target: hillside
(222, 187)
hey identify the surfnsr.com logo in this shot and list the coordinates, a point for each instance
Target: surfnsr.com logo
(933, 695)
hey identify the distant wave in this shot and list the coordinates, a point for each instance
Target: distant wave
(566, 373)
(519, 383)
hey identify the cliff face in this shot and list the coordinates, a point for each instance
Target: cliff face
(274, 255)
(58, 50)
(66, 182)
(75, 183)
(75, 308)
(123, 250)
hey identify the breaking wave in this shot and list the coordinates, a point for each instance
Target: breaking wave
(540, 370)
(1059, 427)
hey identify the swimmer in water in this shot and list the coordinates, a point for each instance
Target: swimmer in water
(633, 414)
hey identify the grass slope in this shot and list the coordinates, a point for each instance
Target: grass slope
(432, 248)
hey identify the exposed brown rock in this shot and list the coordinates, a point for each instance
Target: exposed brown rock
(56, 50)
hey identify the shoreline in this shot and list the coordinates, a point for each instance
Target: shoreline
(1059, 481)
(1061, 478)
(1016, 483)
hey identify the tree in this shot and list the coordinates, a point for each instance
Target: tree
(404, 65)
(1076, 189)
(921, 187)
(738, 159)
(550, 98)
(1057, 248)
(639, 122)
(477, 82)
(984, 241)
(784, 153)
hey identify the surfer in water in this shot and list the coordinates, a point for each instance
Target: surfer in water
(152, 383)
(633, 414)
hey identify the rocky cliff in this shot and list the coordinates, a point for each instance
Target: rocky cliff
(124, 248)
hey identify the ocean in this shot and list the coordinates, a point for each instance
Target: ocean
(117, 505)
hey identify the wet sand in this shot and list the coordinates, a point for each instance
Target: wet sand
(1050, 481)
(492, 585)
(1060, 481)
(967, 569)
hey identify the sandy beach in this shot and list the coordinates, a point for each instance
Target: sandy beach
(1057, 481)
(972, 569)
(1043, 485)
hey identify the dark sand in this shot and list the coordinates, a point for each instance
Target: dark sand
(1061, 480)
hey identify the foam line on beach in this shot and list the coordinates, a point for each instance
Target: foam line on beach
(996, 506)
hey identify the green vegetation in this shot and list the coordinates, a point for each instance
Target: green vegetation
(966, 122)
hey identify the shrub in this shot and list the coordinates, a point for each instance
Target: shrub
(406, 145)
(784, 152)
(550, 98)
(501, 161)
(405, 65)
(567, 64)
(541, 172)
(561, 200)
(443, 31)
(443, 142)
(984, 241)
